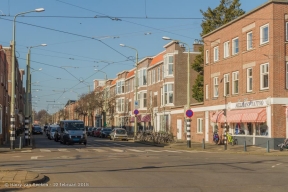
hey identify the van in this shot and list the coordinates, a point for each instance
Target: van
(72, 131)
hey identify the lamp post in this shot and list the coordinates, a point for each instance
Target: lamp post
(188, 120)
(105, 103)
(28, 95)
(136, 87)
(13, 81)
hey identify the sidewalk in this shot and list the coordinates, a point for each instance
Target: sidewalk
(17, 179)
(6, 147)
(239, 149)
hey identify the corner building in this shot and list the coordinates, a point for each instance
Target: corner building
(246, 78)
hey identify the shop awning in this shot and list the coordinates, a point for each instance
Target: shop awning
(146, 118)
(138, 118)
(245, 116)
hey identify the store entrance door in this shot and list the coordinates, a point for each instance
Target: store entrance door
(179, 129)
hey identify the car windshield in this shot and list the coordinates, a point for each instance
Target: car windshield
(107, 129)
(120, 131)
(53, 129)
(74, 126)
(37, 128)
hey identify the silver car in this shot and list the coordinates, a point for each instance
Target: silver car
(52, 132)
(119, 133)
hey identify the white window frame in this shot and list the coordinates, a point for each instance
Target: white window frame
(264, 71)
(216, 54)
(234, 46)
(161, 98)
(286, 31)
(262, 41)
(250, 78)
(226, 49)
(168, 65)
(168, 89)
(120, 105)
(235, 80)
(249, 40)
(215, 87)
(153, 76)
(199, 125)
(206, 91)
(207, 57)
(226, 84)
(119, 87)
(142, 77)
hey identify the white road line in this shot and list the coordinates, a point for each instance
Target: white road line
(153, 151)
(45, 150)
(63, 150)
(117, 150)
(172, 151)
(120, 145)
(27, 151)
(16, 156)
(36, 157)
(273, 166)
(81, 150)
(99, 150)
(135, 150)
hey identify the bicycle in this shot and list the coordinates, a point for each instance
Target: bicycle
(230, 139)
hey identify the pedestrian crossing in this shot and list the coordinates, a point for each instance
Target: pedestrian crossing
(104, 150)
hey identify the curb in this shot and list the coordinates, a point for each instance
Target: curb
(40, 179)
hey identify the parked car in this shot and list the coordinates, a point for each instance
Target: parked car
(37, 130)
(97, 132)
(93, 131)
(105, 132)
(57, 134)
(119, 133)
(48, 131)
(89, 132)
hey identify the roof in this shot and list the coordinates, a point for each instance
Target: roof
(113, 82)
(131, 73)
(158, 58)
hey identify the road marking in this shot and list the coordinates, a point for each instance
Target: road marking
(117, 150)
(135, 150)
(81, 150)
(172, 151)
(16, 156)
(120, 145)
(63, 150)
(273, 166)
(36, 157)
(99, 150)
(153, 151)
(45, 150)
(27, 151)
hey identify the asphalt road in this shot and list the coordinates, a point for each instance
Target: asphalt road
(105, 165)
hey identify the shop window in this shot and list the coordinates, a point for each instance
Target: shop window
(261, 129)
(239, 129)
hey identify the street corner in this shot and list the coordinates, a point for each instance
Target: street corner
(12, 179)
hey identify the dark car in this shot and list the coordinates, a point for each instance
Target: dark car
(37, 130)
(105, 132)
(57, 134)
(97, 132)
(89, 132)
(93, 131)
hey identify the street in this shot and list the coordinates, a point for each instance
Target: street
(105, 165)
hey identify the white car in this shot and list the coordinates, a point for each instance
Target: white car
(119, 133)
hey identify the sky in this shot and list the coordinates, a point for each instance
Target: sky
(84, 35)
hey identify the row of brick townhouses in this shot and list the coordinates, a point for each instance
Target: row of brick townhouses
(5, 94)
(246, 75)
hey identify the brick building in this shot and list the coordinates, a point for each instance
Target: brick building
(246, 75)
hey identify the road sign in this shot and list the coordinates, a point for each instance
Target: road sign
(189, 113)
(136, 112)
(136, 104)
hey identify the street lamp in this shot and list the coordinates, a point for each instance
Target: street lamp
(105, 105)
(136, 86)
(28, 107)
(188, 120)
(13, 80)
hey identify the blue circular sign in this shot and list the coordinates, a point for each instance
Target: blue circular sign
(189, 113)
(136, 112)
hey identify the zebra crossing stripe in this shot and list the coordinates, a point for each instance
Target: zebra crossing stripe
(149, 150)
(117, 150)
(99, 150)
(172, 151)
(135, 150)
(63, 150)
(81, 150)
(45, 150)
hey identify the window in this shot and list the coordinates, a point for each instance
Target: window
(249, 40)
(149, 78)
(162, 72)
(264, 76)
(226, 49)
(235, 79)
(199, 125)
(264, 34)
(142, 77)
(120, 85)
(120, 104)
(142, 97)
(286, 31)
(215, 85)
(235, 46)
(206, 92)
(250, 80)
(261, 129)
(216, 53)
(207, 57)
(153, 76)
(161, 96)
(168, 94)
(158, 76)
(226, 84)
(168, 65)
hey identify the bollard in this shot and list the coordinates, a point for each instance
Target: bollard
(20, 143)
(268, 150)
(203, 144)
(245, 149)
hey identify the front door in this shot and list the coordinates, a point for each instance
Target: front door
(179, 129)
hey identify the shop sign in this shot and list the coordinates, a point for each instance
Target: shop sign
(247, 104)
